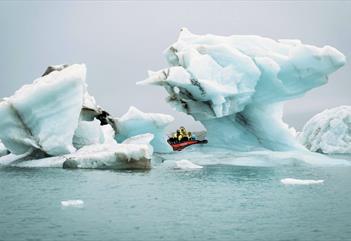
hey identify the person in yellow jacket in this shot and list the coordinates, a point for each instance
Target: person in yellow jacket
(183, 134)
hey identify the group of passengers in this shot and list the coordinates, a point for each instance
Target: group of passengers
(181, 135)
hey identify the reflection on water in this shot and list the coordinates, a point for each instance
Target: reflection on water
(217, 202)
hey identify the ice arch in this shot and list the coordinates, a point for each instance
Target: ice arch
(236, 85)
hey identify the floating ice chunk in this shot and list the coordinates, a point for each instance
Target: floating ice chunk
(186, 165)
(44, 115)
(54, 115)
(234, 85)
(72, 203)
(293, 181)
(135, 154)
(210, 155)
(329, 131)
(135, 122)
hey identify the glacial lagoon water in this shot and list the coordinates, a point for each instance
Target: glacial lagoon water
(217, 202)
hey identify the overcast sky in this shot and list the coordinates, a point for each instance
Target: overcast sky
(120, 41)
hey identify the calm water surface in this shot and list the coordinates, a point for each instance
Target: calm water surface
(214, 203)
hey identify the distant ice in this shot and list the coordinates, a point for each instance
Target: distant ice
(72, 203)
(329, 131)
(185, 164)
(293, 181)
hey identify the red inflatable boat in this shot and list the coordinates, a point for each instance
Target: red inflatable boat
(178, 146)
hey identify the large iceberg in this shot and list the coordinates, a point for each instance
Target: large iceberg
(55, 119)
(329, 131)
(136, 122)
(133, 153)
(44, 115)
(236, 85)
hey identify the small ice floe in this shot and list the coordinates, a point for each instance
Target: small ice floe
(293, 181)
(186, 165)
(72, 203)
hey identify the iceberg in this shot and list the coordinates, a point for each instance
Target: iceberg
(136, 122)
(57, 121)
(44, 115)
(293, 181)
(328, 132)
(236, 85)
(55, 115)
(133, 154)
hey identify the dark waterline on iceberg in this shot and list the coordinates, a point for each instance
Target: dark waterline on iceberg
(214, 203)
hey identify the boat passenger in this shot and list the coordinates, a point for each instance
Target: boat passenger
(183, 134)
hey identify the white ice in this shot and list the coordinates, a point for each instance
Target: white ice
(235, 85)
(55, 116)
(3, 150)
(293, 181)
(72, 203)
(208, 155)
(329, 131)
(44, 115)
(88, 133)
(134, 153)
(186, 165)
(136, 122)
